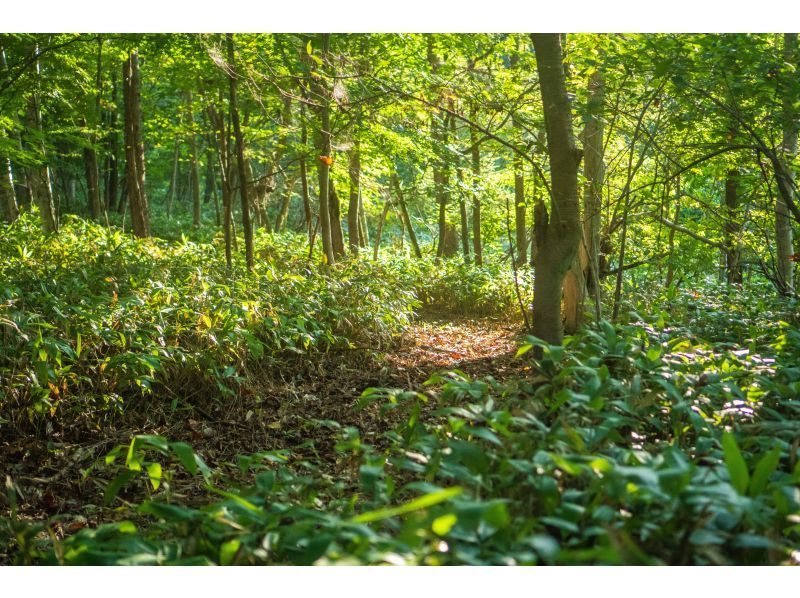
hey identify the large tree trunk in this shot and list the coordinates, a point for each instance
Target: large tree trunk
(325, 159)
(247, 228)
(783, 222)
(194, 169)
(134, 147)
(353, 236)
(558, 232)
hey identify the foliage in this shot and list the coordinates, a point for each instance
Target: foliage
(631, 444)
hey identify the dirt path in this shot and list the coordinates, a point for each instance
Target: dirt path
(279, 409)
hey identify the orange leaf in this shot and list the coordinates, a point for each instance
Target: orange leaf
(327, 160)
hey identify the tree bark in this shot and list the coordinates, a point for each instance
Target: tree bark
(223, 154)
(337, 235)
(39, 179)
(8, 198)
(475, 151)
(134, 147)
(783, 222)
(584, 274)
(558, 232)
(404, 211)
(353, 235)
(112, 143)
(325, 159)
(733, 250)
(247, 228)
(194, 169)
(91, 167)
(379, 231)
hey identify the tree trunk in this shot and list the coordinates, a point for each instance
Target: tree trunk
(475, 150)
(733, 250)
(520, 209)
(223, 154)
(583, 275)
(8, 198)
(247, 228)
(404, 211)
(286, 200)
(325, 159)
(363, 230)
(112, 142)
(173, 181)
(353, 236)
(39, 176)
(194, 169)
(337, 235)
(91, 166)
(304, 176)
(134, 147)
(557, 233)
(379, 231)
(783, 222)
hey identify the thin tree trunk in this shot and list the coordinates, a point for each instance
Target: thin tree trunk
(286, 200)
(558, 233)
(520, 210)
(379, 230)
(304, 175)
(237, 131)
(783, 223)
(112, 161)
(363, 234)
(354, 170)
(337, 235)
(475, 151)
(194, 171)
(223, 154)
(134, 148)
(404, 211)
(173, 182)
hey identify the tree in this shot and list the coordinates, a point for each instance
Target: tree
(247, 227)
(134, 147)
(557, 230)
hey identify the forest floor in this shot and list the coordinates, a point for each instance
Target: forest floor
(302, 406)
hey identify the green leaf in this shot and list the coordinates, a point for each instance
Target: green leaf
(764, 469)
(228, 550)
(154, 473)
(423, 502)
(442, 525)
(309, 48)
(737, 468)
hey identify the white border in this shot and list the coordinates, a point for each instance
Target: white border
(129, 16)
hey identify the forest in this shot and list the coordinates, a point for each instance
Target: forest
(426, 299)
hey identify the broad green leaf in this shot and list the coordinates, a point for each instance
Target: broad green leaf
(737, 468)
(764, 469)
